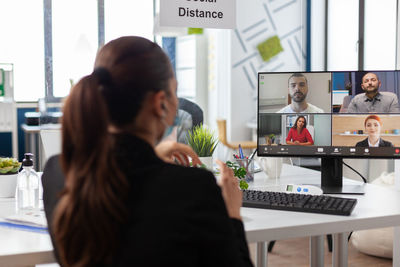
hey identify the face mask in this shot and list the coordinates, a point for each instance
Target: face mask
(169, 130)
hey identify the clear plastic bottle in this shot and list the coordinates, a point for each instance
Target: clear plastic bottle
(27, 185)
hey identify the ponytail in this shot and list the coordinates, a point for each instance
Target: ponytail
(92, 206)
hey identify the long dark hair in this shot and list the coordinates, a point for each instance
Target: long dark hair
(92, 207)
(305, 122)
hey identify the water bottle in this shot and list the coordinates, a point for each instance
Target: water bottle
(27, 185)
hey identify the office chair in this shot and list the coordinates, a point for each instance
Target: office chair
(232, 145)
(189, 115)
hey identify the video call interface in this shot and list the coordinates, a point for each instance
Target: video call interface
(346, 114)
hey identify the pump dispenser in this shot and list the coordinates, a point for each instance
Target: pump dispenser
(27, 185)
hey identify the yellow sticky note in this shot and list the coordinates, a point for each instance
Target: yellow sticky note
(195, 30)
(270, 48)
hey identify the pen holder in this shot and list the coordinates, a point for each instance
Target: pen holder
(249, 166)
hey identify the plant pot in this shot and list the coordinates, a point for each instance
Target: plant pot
(8, 185)
(208, 161)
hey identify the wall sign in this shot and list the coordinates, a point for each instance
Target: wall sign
(219, 14)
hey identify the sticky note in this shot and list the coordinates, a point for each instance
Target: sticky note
(270, 48)
(195, 30)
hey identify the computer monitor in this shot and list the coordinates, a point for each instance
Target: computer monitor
(366, 124)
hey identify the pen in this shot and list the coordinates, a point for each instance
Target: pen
(252, 155)
(241, 152)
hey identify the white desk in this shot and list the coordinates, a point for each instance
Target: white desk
(22, 248)
(379, 207)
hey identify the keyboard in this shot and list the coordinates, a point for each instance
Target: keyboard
(298, 202)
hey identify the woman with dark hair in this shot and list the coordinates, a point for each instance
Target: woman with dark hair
(298, 134)
(373, 125)
(122, 205)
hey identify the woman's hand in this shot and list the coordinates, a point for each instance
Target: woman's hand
(231, 193)
(174, 152)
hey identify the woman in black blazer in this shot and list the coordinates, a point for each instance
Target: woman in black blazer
(123, 205)
(373, 125)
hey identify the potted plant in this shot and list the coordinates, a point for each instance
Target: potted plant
(8, 176)
(203, 142)
(240, 173)
(272, 138)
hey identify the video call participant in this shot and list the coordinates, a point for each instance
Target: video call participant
(298, 89)
(122, 205)
(298, 134)
(373, 125)
(372, 101)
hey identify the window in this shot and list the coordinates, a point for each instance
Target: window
(128, 17)
(342, 35)
(75, 42)
(72, 43)
(22, 45)
(380, 35)
(377, 27)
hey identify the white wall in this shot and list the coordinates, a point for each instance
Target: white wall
(256, 22)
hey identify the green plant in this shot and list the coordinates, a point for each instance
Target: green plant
(271, 136)
(9, 166)
(202, 141)
(240, 173)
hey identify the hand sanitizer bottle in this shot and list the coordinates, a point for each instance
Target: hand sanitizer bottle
(27, 185)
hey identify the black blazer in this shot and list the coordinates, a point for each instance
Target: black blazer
(177, 214)
(382, 143)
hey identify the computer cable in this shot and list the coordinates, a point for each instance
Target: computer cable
(362, 177)
(365, 181)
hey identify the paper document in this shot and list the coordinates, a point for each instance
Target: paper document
(32, 221)
(29, 218)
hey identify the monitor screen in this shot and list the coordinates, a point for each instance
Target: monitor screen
(331, 115)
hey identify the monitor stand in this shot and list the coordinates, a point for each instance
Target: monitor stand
(332, 178)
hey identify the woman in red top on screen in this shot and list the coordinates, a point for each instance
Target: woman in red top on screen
(298, 134)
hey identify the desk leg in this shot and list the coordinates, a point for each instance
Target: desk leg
(317, 251)
(261, 254)
(396, 246)
(339, 254)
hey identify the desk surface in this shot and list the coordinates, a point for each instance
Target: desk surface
(377, 208)
(37, 128)
(22, 248)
